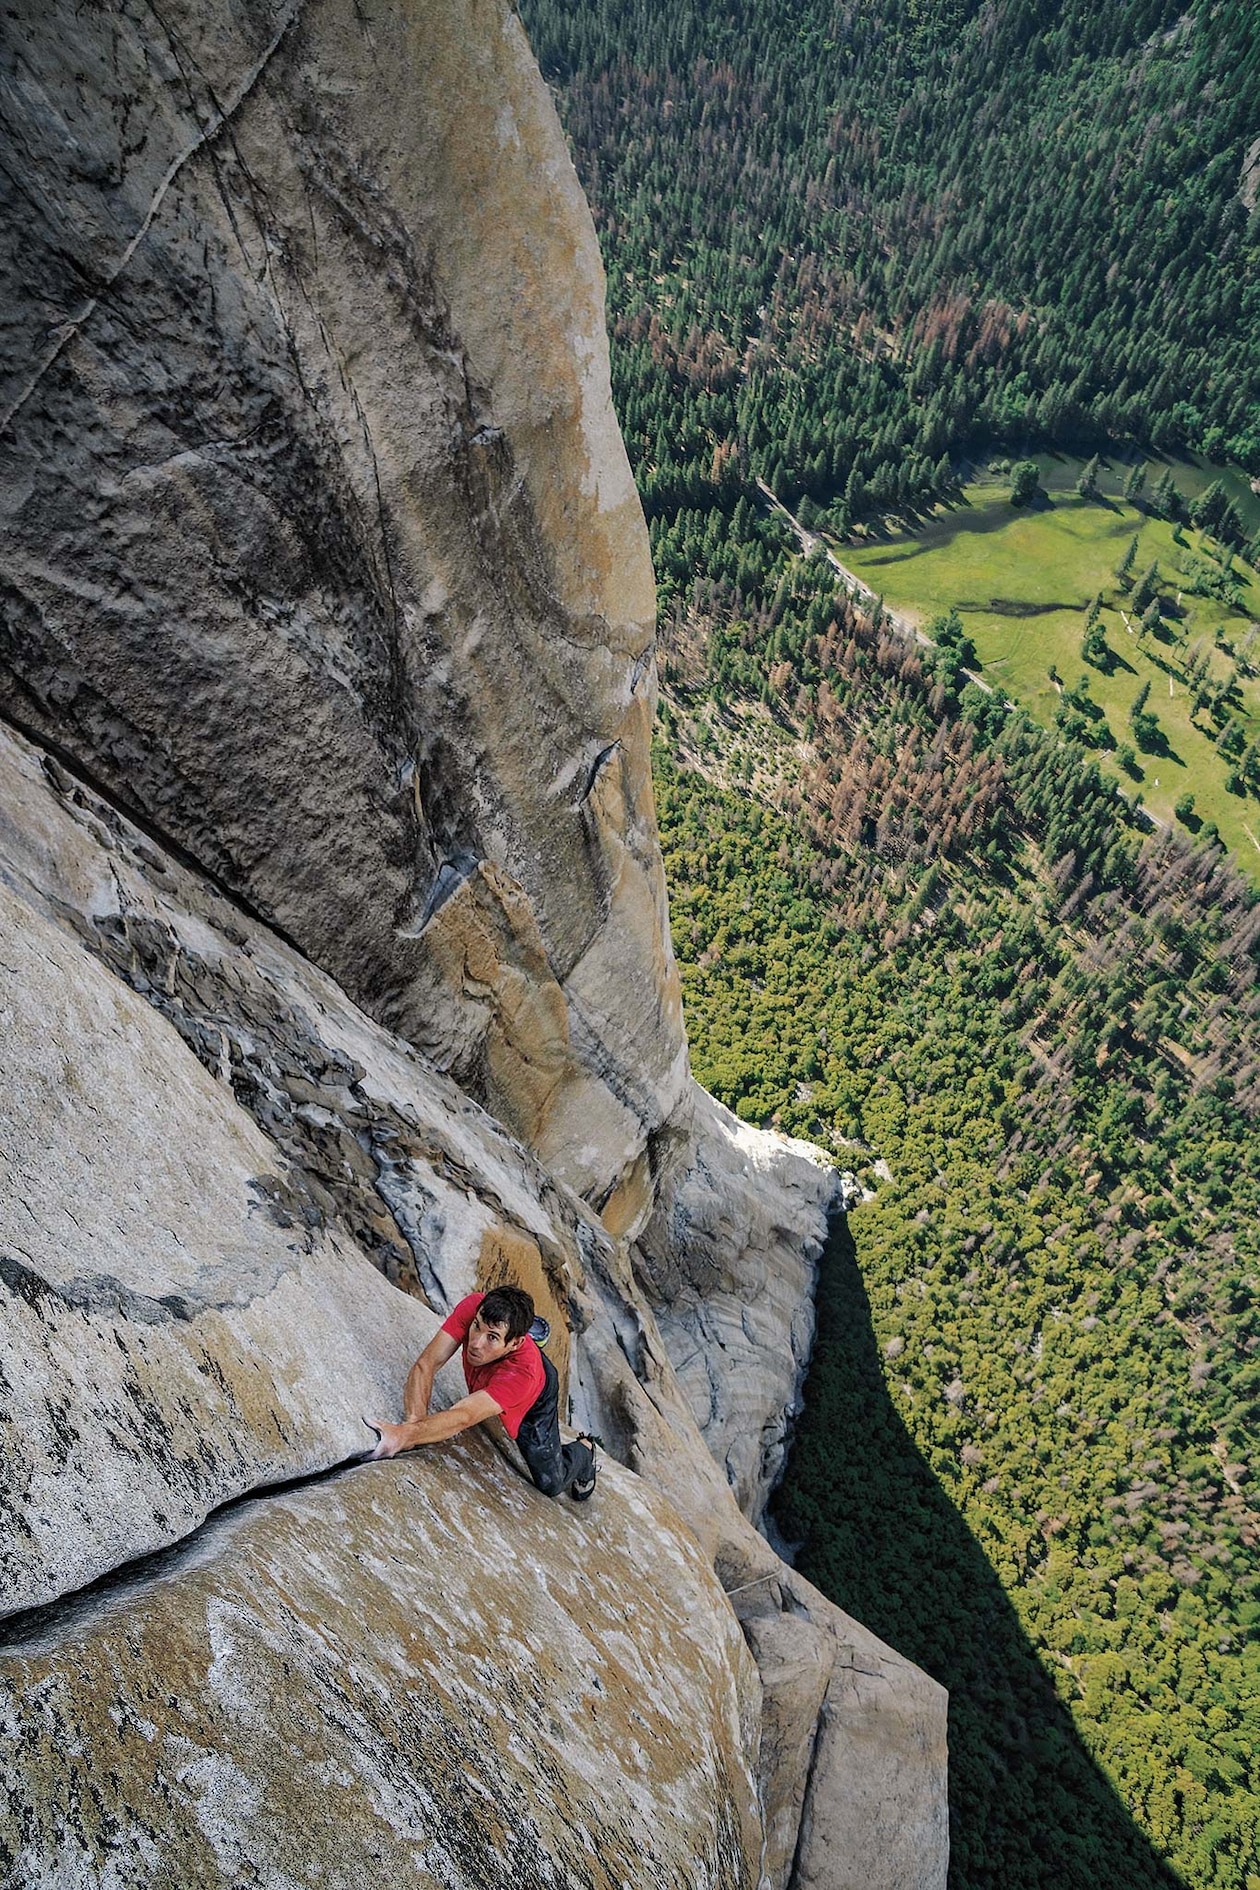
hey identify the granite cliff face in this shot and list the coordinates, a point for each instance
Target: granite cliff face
(541, 1699)
(334, 979)
(336, 572)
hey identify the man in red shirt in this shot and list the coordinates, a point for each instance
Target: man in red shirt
(508, 1377)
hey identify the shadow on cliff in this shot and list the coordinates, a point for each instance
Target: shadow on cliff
(1029, 1809)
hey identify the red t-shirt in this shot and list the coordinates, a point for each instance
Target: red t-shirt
(514, 1382)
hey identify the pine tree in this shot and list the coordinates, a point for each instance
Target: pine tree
(1233, 739)
(1143, 722)
(1087, 484)
(1094, 646)
(1206, 510)
(1124, 570)
(1165, 501)
(1148, 587)
(1229, 528)
(1025, 481)
(1134, 484)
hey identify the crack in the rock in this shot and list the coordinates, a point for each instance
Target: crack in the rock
(55, 755)
(596, 768)
(69, 330)
(29, 1630)
(807, 1793)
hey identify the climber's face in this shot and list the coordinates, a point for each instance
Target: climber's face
(487, 1344)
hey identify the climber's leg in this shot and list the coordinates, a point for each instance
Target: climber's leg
(555, 1467)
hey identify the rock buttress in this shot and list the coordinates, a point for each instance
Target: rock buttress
(206, 1141)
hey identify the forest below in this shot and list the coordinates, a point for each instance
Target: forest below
(851, 250)
(931, 939)
(847, 245)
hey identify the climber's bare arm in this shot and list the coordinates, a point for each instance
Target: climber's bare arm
(472, 1410)
(418, 1393)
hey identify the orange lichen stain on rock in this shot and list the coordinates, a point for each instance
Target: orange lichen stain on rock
(511, 1258)
(484, 942)
(631, 1199)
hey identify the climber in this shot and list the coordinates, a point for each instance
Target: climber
(508, 1377)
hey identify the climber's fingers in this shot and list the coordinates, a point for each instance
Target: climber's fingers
(389, 1438)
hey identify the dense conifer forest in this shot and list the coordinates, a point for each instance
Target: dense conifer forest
(851, 248)
(932, 939)
(847, 242)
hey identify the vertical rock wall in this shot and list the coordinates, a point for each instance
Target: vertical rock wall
(206, 1146)
(319, 543)
(336, 967)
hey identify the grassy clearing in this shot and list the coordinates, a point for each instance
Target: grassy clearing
(1022, 581)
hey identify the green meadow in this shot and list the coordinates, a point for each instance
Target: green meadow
(1022, 580)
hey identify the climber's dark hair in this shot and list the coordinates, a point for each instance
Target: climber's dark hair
(509, 1306)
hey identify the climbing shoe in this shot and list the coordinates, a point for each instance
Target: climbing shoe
(582, 1492)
